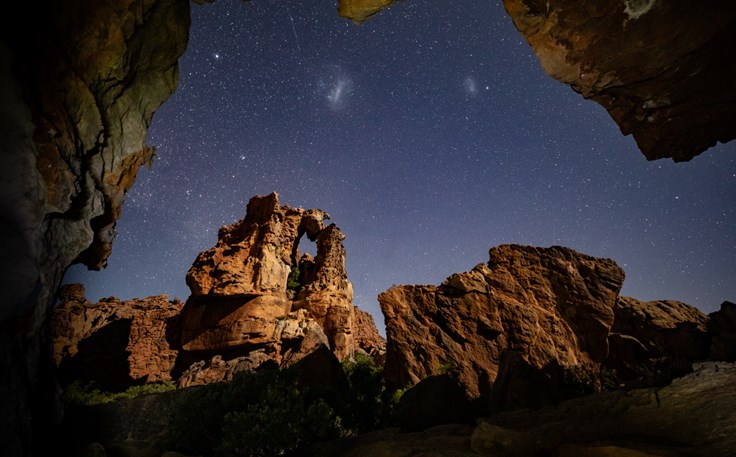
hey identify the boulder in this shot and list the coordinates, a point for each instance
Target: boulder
(552, 306)
(693, 416)
(653, 342)
(722, 328)
(436, 400)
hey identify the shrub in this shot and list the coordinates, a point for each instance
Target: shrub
(273, 413)
(363, 407)
(81, 394)
(292, 282)
(256, 414)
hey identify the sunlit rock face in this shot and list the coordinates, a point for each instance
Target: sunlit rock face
(240, 292)
(552, 308)
(663, 70)
(80, 83)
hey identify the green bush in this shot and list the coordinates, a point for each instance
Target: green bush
(273, 413)
(363, 407)
(292, 282)
(78, 393)
(256, 414)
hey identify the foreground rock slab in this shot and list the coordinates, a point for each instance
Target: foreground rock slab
(694, 416)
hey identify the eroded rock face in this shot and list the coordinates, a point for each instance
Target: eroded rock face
(291, 339)
(553, 307)
(663, 70)
(80, 81)
(114, 343)
(239, 287)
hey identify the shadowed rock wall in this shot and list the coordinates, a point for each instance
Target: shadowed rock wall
(80, 82)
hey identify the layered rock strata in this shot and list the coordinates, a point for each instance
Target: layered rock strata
(535, 326)
(551, 308)
(241, 291)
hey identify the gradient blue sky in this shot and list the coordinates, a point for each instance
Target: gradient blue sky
(429, 133)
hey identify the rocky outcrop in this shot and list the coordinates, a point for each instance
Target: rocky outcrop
(241, 290)
(653, 342)
(256, 302)
(79, 82)
(663, 70)
(114, 343)
(551, 307)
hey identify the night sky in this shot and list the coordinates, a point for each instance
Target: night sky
(430, 134)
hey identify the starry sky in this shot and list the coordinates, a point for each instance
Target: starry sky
(430, 133)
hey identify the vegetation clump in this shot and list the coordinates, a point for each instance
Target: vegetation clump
(292, 282)
(273, 413)
(78, 393)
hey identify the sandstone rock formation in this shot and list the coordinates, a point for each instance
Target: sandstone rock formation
(79, 81)
(653, 342)
(553, 307)
(293, 337)
(663, 70)
(114, 343)
(239, 287)
(248, 310)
